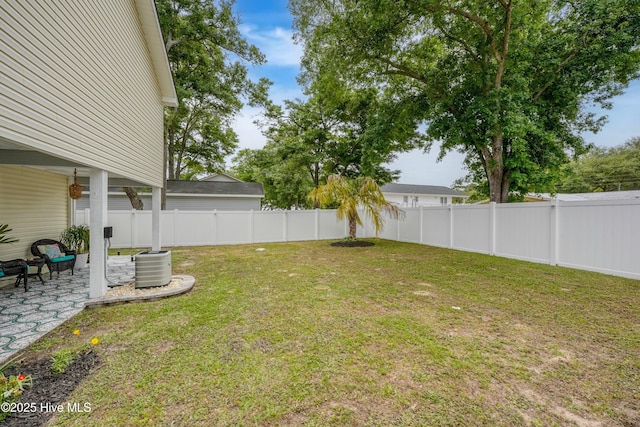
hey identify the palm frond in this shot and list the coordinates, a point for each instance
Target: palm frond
(4, 229)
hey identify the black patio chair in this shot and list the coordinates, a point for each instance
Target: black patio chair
(15, 267)
(64, 260)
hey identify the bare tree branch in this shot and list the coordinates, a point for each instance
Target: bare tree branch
(400, 69)
(554, 76)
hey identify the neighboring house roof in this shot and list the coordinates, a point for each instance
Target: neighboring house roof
(436, 190)
(215, 188)
(204, 188)
(221, 177)
(604, 195)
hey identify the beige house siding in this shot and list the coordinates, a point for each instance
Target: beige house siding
(35, 204)
(79, 83)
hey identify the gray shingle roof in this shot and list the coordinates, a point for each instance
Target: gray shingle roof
(437, 190)
(215, 187)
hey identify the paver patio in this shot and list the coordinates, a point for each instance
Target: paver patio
(26, 316)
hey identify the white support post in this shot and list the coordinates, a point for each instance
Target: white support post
(317, 224)
(99, 184)
(156, 198)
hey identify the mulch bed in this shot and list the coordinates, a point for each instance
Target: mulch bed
(48, 389)
(352, 243)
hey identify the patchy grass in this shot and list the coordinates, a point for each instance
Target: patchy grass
(127, 251)
(394, 334)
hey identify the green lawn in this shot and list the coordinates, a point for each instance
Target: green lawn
(394, 334)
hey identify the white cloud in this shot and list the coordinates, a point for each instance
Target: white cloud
(278, 93)
(276, 43)
(249, 134)
(422, 168)
(416, 166)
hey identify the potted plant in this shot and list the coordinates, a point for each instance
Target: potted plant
(76, 238)
(4, 230)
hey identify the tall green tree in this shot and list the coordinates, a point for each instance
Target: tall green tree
(290, 163)
(351, 194)
(208, 58)
(604, 169)
(285, 179)
(301, 134)
(504, 81)
(336, 130)
(361, 131)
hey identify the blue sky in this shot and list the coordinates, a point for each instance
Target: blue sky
(267, 24)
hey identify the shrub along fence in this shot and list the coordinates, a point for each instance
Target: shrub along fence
(602, 236)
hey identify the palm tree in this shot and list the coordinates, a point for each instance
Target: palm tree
(353, 193)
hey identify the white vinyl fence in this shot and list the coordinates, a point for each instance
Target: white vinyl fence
(601, 236)
(132, 229)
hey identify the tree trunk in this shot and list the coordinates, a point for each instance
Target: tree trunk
(505, 186)
(353, 224)
(314, 172)
(494, 167)
(498, 185)
(495, 184)
(134, 198)
(163, 196)
(170, 164)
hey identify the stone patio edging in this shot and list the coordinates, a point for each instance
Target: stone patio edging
(156, 293)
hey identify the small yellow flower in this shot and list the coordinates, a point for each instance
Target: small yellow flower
(76, 332)
(95, 341)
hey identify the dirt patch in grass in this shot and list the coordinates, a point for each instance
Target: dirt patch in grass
(49, 390)
(423, 293)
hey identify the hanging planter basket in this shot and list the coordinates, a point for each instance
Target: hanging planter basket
(75, 189)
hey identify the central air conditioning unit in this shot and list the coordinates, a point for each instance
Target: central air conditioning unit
(153, 268)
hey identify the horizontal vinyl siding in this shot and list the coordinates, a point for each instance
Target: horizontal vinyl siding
(78, 82)
(35, 205)
(120, 202)
(218, 203)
